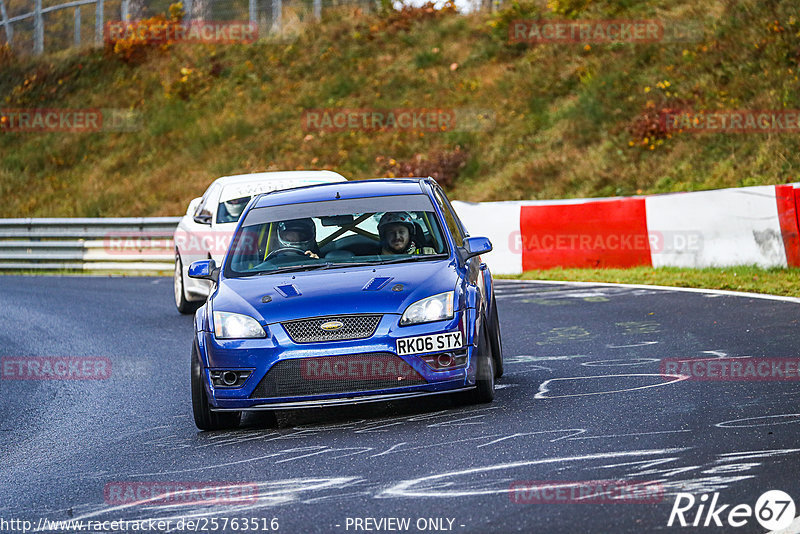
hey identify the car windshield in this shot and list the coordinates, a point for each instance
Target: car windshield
(331, 234)
(230, 210)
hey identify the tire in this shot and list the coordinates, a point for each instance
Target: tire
(204, 418)
(496, 341)
(484, 390)
(184, 306)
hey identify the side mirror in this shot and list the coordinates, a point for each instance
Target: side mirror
(204, 217)
(193, 205)
(475, 246)
(204, 270)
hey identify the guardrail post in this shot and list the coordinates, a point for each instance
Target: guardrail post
(38, 28)
(277, 15)
(9, 31)
(98, 22)
(77, 26)
(317, 9)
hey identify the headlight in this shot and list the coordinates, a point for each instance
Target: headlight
(436, 308)
(236, 326)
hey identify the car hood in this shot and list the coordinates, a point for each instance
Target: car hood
(336, 291)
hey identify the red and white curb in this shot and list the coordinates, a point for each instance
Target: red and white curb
(742, 226)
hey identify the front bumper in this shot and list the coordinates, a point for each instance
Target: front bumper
(260, 355)
(342, 401)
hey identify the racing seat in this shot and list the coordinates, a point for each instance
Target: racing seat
(419, 237)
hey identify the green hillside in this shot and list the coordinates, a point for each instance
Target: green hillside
(565, 120)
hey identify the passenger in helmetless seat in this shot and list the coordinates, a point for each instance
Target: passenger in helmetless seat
(397, 231)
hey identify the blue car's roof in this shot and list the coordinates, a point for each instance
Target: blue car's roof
(354, 189)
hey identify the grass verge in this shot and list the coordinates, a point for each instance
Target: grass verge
(538, 121)
(784, 282)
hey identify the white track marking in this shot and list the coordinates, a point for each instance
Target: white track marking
(747, 455)
(641, 344)
(543, 387)
(631, 435)
(525, 358)
(574, 432)
(728, 424)
(530, 369)
(620, 363)
(717, 353)
(327, 450)
(720, 292)
(390, 449)
(406, 487)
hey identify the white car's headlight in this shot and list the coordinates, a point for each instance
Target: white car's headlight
(436, 308)
(236, 326)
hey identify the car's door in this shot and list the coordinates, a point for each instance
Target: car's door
(473, 274)
(198, 238)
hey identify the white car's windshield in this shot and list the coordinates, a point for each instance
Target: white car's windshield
(230, 210)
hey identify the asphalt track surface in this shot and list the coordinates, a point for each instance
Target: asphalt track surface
(582, 399)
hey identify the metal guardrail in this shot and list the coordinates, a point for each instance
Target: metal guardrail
(117, 244)
(269, 16)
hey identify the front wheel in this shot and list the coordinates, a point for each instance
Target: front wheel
(204, 418)
(484, 379)
(495, 340)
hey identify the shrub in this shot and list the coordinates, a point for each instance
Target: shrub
(138, 38)
(443, 166)
(7, 55)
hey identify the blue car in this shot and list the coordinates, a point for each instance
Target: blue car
(341, 294)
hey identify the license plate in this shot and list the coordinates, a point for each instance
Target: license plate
(418, 344)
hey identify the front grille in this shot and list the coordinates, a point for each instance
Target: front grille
(336, 374)
(353, 327)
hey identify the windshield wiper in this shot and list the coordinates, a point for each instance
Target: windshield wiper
(413, 258)
(295, 268)
(346, 264)
(314, 267)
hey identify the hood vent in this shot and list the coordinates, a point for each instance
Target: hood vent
(376, 283)
(288, 290)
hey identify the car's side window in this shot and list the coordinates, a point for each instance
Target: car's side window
(455, 214)
(204, 208)
(450, 218)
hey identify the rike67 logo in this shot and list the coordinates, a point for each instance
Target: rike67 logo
(774, 510)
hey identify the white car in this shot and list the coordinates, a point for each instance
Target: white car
(206, 230)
